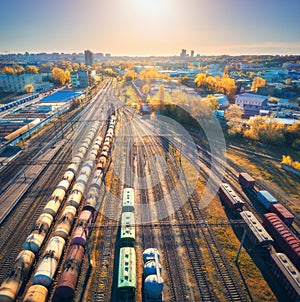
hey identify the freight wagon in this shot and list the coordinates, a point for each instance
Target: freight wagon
(283, 213)
(229, 197)
(282, 235)
(246, 180)
(266, 199)
(255, 231)
(287, 274)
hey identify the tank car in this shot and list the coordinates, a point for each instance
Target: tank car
(149, 254)
(150, 268)
(47, 267)
(81, 231)
(101, 163)
(37, 236)
(11, 286)
(153, 287)
(52, 207)
(65, 222)
(74, 198)
(69, 176)
(68, 280)
(36, 293)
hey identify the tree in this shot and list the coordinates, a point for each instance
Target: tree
(8, 70)
(233, 116)
(258, 82)
(59, 76)
(212, 102)
(31, 69)
(18, 69)
(130, 75)
(146, 89)
(29, 88)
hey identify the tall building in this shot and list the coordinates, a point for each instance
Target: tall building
(89, 57)
(183, 53)
(192, 53)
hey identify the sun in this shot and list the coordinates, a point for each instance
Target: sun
(150, 6)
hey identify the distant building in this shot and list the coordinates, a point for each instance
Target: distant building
(251, 103)
(192, 53)
(12, 83)
(183, 53)
(74, 79)
(83, 78)
(88, 58)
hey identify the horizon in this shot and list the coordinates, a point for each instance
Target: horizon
(143, 28)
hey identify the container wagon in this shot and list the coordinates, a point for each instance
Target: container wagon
(127, 274)
(255, 231)
(287, 274)
(246, 180)
(283, 213)
(282, 235)
(266, 199)
(229, 197)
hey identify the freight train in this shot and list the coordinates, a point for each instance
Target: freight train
(46, 269)
(153, 283)
(66, 287)
(275, 229)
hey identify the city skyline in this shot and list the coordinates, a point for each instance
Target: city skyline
(151, 28)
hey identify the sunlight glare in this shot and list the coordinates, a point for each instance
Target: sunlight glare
(150, 6)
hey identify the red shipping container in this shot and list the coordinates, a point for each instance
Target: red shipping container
(246, 180)
(283, 213)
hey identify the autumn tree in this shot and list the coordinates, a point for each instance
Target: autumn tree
(258, 82)
(130, 75)
(212, 102)
(145, 89)
(18, 69)
(31, 69)
(8, 70)
(233, 116)
(29, 88)
(59, 76)
(266, 130)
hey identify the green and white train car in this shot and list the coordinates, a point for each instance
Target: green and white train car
(127, 232)
(127, 274)
(128, 200)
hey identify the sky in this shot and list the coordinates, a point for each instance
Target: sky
(151, 27)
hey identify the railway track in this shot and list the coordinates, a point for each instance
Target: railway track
(233, 291)
(18, 225)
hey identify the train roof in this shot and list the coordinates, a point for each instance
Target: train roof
(127, 268)
(288, 269)
(229, 191)
(258, 230)
(127, 225)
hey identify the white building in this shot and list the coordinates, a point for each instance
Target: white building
(251, 103)
(12, 83)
